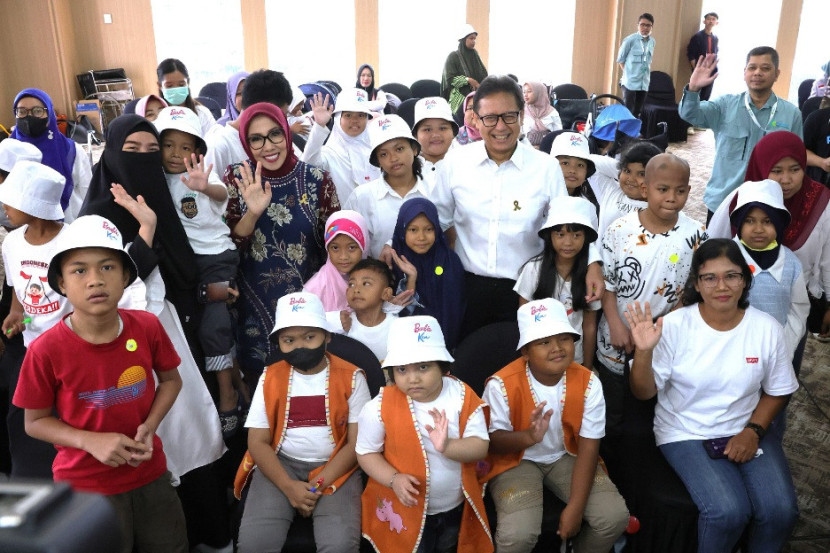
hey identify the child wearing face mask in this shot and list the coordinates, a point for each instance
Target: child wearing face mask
(174, 87)
(346, 154)
(302, 429)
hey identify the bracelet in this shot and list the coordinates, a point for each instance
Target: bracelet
(757, 428)
(392, 480)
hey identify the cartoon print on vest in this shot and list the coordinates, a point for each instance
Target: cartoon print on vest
(385, 513)
(629, 283)
(189, 208)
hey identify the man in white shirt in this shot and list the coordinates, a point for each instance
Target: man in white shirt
(495, 193)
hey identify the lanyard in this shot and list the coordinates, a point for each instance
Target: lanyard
(752, 115)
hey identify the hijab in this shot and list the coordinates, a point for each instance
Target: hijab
(470, 61)
(277, 116)
(540, 107)
(808, 204)
(440, 283)
(141, 105)
(353, 152)
(231, 113)
(371, 91)
(779, 219)
(471, 133)
(329, 284)
(141, 174)
(58, 150)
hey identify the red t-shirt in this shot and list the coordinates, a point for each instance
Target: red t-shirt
(101, 388)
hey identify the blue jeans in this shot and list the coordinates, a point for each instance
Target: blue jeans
(729, 496)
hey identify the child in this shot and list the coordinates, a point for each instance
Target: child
(347, 242)
(435, 130)
(559, 270)
(87, 387)
(149, 107)
(619, 187)
(546, 421)
(647, 255)
(346, 154)
(370, 285)
(571, 149)
(396, 153)
(425, 264)
(200, 199)
(468, 133)
(302, 428)
(422, 438)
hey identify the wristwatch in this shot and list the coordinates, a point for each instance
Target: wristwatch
(757, 428)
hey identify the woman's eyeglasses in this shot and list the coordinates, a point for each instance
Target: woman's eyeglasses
(275, 137)
(733, 280)
(37, 111)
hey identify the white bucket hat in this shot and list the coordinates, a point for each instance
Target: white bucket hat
(297, 96)
(89, 231)
(300, 309)
(573, 144)
(767, 192)
(466, 31)
(541, 319)
(353, 99)
(34, 189)
(182, 119)
(571, 210)
(415, 340)
(385, 128)
(433, 107)
(13, 150)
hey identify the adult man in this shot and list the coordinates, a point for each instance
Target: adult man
(738, 120)
(702, 43)
(496, 193)
(636, 53)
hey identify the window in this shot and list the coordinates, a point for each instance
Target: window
(808, 57)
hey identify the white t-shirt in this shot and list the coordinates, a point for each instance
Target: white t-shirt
(223, 148)
(444, 473)
(81, 176)
(709, 381)
(307, 435)
(206, 119)
(552, 446)
(613, 203)
(529, 280)
(641, 266)
(26, 268)
(374, 337)
(201, 216)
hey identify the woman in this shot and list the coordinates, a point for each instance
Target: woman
(782, 157)
(276, 212)
(720, 371)
(174, 86)
(468, 133)
(233, 104)
(463, 70)
(540, 117)
(37, 124)
(366, 82)
(149, 107)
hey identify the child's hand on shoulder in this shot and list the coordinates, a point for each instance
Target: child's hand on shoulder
(539, 422)
(111, 448)
(405, 487)
(145, 436)
(438, 434)
(197, 176)
(346, 320)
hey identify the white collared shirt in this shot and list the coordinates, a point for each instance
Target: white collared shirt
(497, 210)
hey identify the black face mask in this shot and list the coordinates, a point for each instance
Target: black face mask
(32, 126)
(305, 359)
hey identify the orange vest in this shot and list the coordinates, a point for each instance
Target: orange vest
(276, 386)
(390, 526)
(515, 386)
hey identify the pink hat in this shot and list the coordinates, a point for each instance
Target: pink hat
(348, 222)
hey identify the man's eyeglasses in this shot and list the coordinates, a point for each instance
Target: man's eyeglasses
(37, 111)
(275, 137)
(509, 118)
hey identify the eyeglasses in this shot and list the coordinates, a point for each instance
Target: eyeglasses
(275, 137)
(509, 118)
(732, 280)
(37, 111)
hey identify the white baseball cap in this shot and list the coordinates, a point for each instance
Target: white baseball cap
(352, 99)
(466, 31)
(384, 128)
(13, 150)
(415, 340)
(89, 231)
(571, 210)
(767, 192)
(541, 319)
(573, 144)
(34, 189)
(300, 309)
(433, 107)
(182, 119)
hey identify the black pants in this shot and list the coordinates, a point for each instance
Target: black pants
(633, 100)
(489, 300)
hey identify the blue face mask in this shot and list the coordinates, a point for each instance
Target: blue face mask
(177, 95)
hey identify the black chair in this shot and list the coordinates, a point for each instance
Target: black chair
(547, 141)
(568, 91)
(804, 90)
(214, 107)
(217, 91)
(660, 105)
(298, 141)
(811, 105)
(425, 88)
(816, 131)
(407, 111)
(400, 90)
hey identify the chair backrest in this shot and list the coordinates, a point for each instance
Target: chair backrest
(217, 91)
(407, 111)
(484, 352)
(661, 88)
(425, 88)
(214, 107)
(400, 90)
(804, 90)
(547, 141)
(810, 105)
(568, 91)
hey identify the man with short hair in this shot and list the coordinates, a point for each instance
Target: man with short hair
(702, 43)
(636, 53)
(738, 120)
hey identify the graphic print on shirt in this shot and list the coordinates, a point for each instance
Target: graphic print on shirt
(36, 296)
(131, 385)
(629, 283)
(188, 205)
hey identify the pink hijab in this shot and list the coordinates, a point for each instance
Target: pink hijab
(540, 106)
(329, 284)
(472, 132)
(141, 105)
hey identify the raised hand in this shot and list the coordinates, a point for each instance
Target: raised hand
(438, 434)
(250, 187)
(197, 176)
(702, 75)
(644, 333)
(137, 207)
(321, 108)
(539, 422)
(404, 265)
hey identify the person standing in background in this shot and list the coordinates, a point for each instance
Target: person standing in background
(636, 53)
(463, 70)
(704, 42)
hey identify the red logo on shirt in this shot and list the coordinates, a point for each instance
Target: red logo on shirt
(751, 359)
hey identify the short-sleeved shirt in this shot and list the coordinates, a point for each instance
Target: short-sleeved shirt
(201, 216)
(636, 52)
(99, 388)
(373, 337)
